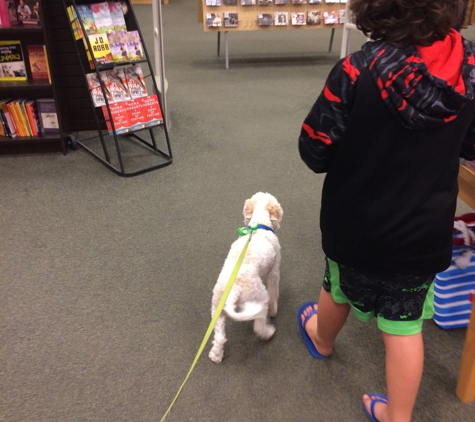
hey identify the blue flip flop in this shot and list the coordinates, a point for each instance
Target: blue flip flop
(310, 346)
(380, 398)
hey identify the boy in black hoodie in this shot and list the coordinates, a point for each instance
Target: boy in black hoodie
(388, 129)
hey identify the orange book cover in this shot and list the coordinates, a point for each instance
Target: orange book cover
(21, 114)
(16, 123)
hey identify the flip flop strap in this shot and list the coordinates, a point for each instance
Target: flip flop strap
(312, 312)
(373, 403)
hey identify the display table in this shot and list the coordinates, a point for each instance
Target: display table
(466, 382)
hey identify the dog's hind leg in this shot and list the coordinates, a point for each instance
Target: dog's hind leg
(217, 350)
(263, 330)
(273, 280)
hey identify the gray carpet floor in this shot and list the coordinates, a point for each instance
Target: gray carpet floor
(106, 281)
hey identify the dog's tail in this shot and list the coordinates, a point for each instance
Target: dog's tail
(248, 312)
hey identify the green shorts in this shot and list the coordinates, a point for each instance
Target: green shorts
(400, 302)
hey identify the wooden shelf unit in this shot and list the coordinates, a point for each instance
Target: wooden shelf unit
(248, 21)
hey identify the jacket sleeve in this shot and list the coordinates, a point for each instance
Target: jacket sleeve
(326, 122)
(468, 146)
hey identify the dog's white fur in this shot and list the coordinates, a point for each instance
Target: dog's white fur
(249, 299)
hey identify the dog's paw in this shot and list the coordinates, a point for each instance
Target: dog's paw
(265, 332)
(216, 355)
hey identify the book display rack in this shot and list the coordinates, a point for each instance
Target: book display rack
(128, 131)
(264, 15)
(30, 118)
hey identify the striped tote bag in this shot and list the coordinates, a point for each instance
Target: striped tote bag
(454, 287)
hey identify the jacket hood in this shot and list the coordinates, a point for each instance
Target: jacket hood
(424, 86)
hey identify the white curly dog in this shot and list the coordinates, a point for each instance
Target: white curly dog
(249, 299)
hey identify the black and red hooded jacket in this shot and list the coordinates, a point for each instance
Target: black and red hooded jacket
(388, 129)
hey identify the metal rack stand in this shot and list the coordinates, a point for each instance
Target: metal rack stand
(119, 151)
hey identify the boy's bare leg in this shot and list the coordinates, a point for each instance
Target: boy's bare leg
(324, 327)
(404, 365)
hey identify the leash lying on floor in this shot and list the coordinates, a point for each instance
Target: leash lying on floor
(243, 231)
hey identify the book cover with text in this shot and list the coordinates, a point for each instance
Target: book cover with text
(38, 59)
(136, 81)
(12, 64)
(117, 15)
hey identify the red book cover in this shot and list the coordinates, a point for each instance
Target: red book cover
(120, 117)
(4, 14)
(32, 116)
(135, 111)
(14, 117)
(38, 62)
(151, 110)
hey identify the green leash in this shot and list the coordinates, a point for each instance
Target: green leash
(243, 231)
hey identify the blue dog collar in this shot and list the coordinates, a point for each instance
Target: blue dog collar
(243, 231)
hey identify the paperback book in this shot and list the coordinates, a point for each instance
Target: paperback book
(134, 46)
(135, 81)
(9, 126)
(342, 16)
(8, 14)
(107, 86)
(38, 59)
(101, 51)
(330, 18)
(230, 2)
(314, 1)
(117, 16)
(299, 1)
(118, 45)
(314, 17)
(279, 2)
(27, 12)
(12, 64)
(265, 19)
(128, 116)
(281, 18)
(230, 20)
(48, 116)
(87, 19)
(95, 89)
(102, 17)
(118, 85)
(213, 20)
(213, 2)
(264, 2)
(248, 2)
(298, 19)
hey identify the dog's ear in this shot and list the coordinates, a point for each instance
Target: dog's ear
(275, 213)
(248, 210)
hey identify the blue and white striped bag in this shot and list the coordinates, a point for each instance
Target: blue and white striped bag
(454, 287)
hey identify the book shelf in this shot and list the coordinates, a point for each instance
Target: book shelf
(248, 16)
(32, 89)
(126, 149)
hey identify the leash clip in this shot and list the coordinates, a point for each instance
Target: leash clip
(244, 231)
